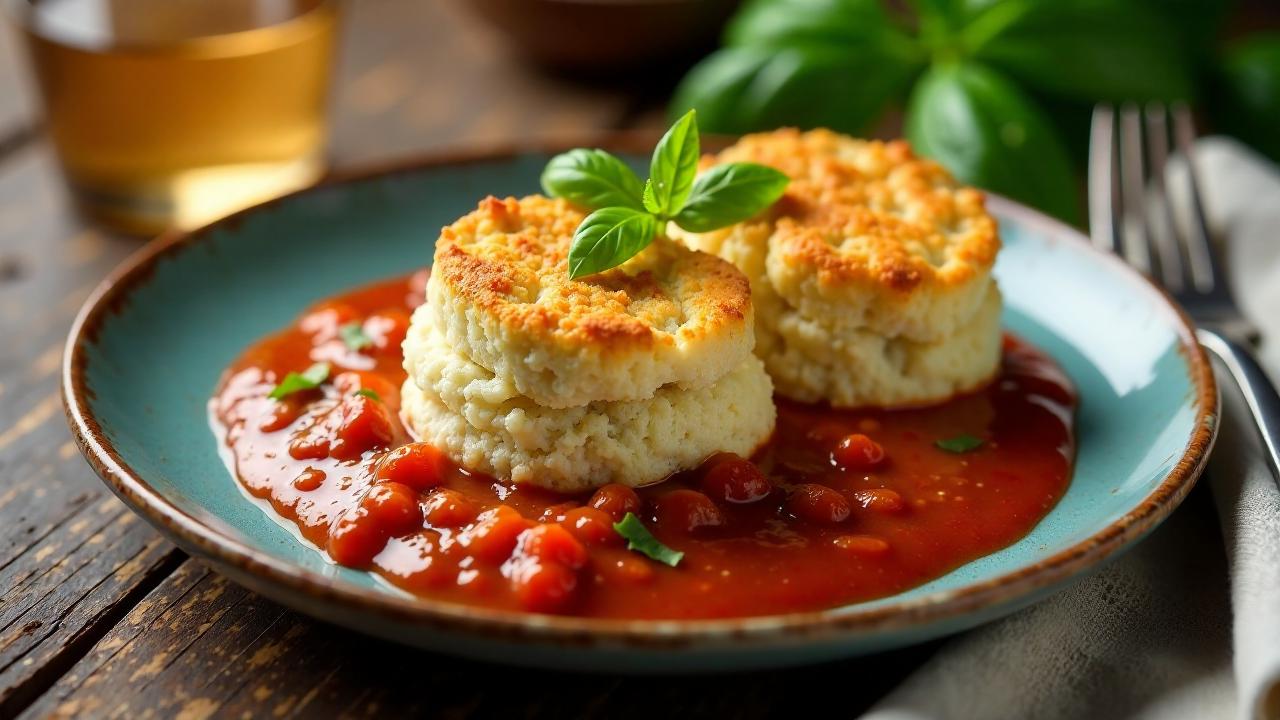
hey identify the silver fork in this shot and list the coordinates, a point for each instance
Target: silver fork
(1130, 214)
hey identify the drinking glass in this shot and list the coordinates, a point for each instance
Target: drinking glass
(172, 113)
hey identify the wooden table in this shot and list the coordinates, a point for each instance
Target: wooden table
(100, 616)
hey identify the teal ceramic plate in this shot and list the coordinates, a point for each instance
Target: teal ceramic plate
(147, 350)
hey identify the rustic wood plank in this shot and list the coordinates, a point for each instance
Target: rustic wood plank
(199, 646)
(417, 77)
(72, 558)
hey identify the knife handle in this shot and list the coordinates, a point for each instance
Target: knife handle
(1259, 394)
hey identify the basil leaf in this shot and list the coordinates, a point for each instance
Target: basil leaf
(986, 132)
(609, 237)
(592, 179)
(783, 23)
(642, 541)
(308, 379)
(354, 337)
(650, 202)
(745, 89)
(1088, 50)
(675, 164)
(1248, 102)
(366, 392)
(730, 193)
(960, 444)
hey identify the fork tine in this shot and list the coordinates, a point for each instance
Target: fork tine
(1102, 178)
(1160, 221)
(1133, 191)
(1204, 275)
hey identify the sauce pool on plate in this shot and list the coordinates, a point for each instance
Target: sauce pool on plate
(840, 507)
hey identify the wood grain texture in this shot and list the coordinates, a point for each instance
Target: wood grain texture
(199, 646)
(418, 76)
(72, 558)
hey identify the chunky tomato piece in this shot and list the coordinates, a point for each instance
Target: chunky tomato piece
(418, 465)
(552, 544)
(394, 506)
(351, 382)
(862, 545)
(818, 504)
(591, 526)
(615, 499)
(447, 508)
(309, 479)
(555, 513)
(494, 534)
(881, 500)
(857, 452)
(282, 413)
(312, 442)
(355, 538)
(734, 479)
(688, 510)
(363, 424)
(387, 329)
(543, 587)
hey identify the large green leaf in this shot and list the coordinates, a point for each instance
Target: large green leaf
(743, 89)
(1086, 49)
(1248, 102)
(984, 129)
(777, 23)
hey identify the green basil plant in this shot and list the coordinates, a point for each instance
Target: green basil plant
(993, 89)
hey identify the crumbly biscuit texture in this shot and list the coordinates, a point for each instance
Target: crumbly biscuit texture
(813, 363)
(867, 234)
(501, 294)
(872, 265)
(483, 422)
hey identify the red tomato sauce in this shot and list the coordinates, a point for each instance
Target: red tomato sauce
(841, 506)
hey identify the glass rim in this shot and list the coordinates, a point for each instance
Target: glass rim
(21, 14)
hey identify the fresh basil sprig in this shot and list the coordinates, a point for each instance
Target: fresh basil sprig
(628, 214)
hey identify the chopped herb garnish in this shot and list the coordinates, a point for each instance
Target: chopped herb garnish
(366, 392)
(960, 443)
(308, 379)
(354, 337)
(642, 541)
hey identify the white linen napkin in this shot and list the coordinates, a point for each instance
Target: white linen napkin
(1152, 634)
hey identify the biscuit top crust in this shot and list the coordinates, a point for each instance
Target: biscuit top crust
(870, 213)
(500, 292)
(509, 259)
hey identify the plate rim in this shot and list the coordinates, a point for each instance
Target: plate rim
(430, 614)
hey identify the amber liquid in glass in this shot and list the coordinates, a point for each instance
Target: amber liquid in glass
(171, 113)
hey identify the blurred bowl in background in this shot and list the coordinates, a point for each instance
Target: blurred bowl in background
(592, 37)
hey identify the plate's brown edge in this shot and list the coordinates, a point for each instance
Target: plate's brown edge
(649, 634)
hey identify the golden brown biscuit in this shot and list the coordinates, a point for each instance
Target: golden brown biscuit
(872, 256)
(500, 294)
(484, 424)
